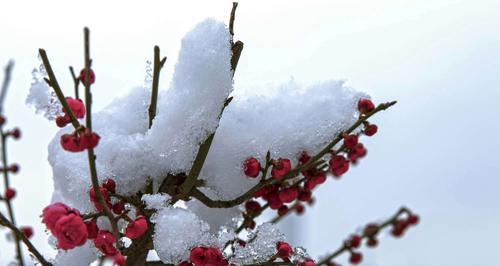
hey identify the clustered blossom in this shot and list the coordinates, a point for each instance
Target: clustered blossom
(285, 185)
(67, 225)
(279, 195)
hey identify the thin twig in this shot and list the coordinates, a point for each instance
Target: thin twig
(345, 247)
(8, 203)
(5, 83)
(232, 17)
(76, 82)
(90, 151)
(52, 81)
(5, 222)
(157, 66)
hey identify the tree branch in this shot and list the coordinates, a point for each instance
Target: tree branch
(196, 193)
(381, 226)
(201, 156)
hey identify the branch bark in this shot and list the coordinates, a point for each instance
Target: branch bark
(157, 66)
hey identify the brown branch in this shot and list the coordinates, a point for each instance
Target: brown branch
(157, 66)
(315, 160)
(19, 235)
(201, 156)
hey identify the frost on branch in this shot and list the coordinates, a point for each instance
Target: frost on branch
(41, 97)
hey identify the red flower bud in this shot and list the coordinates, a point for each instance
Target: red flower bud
(372, 242)
(136, 228)
(15, 133)
(284, 250)
(251, 167)
(94, 199)
(118, 207)
(10, 193)
(91, 76)
(92, 229)
(299, 208)
(371, 130)
(350, 141)
(365, 106)
(110, 185)
(274, 200)
(305, 195)
(413, 219)
(62, 121)
(14, 168)
(27, 231)
(355, 258)
(104, 241)
(281, 168)
(354, 241)
(288, 195)
(252, 207)
(338, 165)
(283, 210)
(304, 157)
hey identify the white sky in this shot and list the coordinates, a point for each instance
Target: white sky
(437, 150)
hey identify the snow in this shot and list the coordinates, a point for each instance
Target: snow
(79, 256)
(155, 201)
(294, 118)
(176, 232)
(262, 247)
(41, 97)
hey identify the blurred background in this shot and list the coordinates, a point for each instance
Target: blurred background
(437, 150)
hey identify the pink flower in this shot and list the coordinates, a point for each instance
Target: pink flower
(70, 231)
(54, 212)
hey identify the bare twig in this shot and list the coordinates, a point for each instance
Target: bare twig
(5, 83)
(381, 226)
(157, 66)
(76, 82)
(232, 17)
